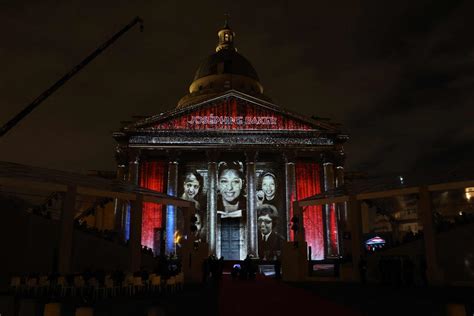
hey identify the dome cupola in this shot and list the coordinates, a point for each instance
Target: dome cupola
(225, 69)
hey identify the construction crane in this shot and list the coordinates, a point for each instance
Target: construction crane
(43, 96)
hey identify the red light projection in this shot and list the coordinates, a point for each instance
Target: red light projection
(152, 176)
(333, 233)
(233, 114)
(308, 183)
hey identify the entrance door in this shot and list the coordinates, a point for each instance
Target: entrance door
(230, 238)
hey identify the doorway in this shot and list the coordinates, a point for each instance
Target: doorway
(230, 238)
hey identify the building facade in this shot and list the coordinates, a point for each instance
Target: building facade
(240, 158)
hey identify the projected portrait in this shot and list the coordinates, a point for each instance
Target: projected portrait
(231, 201)
(192, 184)
(270, 191)
(267, 190)
(270, 241)
(192, 190)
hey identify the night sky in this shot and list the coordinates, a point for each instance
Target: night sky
(399, 75)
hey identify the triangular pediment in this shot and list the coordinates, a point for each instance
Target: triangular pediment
(231, 111)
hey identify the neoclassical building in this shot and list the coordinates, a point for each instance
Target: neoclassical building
(241, 158)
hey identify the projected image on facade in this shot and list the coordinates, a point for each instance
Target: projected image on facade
(231, 199)
(231, 209)
(242, 161)
(194, 189)
(271, 212)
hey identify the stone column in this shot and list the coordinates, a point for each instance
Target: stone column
(171, 217)
(434, 272)
(133, 171)
(119, 205)
(136, 233)
(290, 190)
(331, 246)
(341, 209)
(132, 177)
(66, 230)
(356, 233)
(212, 202)
(298, 213)
(251, 204)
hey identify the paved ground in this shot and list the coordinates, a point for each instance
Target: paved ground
(265, 296)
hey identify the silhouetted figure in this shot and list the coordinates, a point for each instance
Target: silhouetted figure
(144, 274)
(118, 276)
(278, 269)
(220, 267)
(214, 267)
(235, 271)
(100, 276)
(252, 268)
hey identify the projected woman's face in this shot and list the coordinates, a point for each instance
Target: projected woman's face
(230, 185)
(191, 188)
(268, 187)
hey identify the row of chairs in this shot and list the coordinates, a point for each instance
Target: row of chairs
(131, 285)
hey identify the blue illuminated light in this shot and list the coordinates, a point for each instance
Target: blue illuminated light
(170, 211)
(127, 221)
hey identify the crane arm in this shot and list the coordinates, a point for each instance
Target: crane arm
(43, 96)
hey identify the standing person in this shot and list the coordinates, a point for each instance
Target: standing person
(231, 201)
(270, 242)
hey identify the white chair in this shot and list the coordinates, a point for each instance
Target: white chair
(32, 285)
(127, 285)
(138, 285)
(156, 283)
(110, 288)
(94, 287)
(44, 284)
(79, 284)
(171, 284)
(180, 280)
(63, 287)
(15, 284)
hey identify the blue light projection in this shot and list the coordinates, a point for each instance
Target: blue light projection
(170, 224)
(127, 221)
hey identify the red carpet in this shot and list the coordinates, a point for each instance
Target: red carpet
(266, 296)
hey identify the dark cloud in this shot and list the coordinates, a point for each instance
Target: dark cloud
(398, 75)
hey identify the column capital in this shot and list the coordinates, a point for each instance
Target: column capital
(340, 158)
(289, 157)
(327, 157)
(121, 155)
(173, 155)
(251, 155)
(212, 155)
(134, 156)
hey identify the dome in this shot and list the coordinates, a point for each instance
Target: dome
(226, 61)
(222, 71)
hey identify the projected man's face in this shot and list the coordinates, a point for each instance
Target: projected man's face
(198, 222)
(265, 224)
(230, 185)
(191, 188)
(268, 187)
